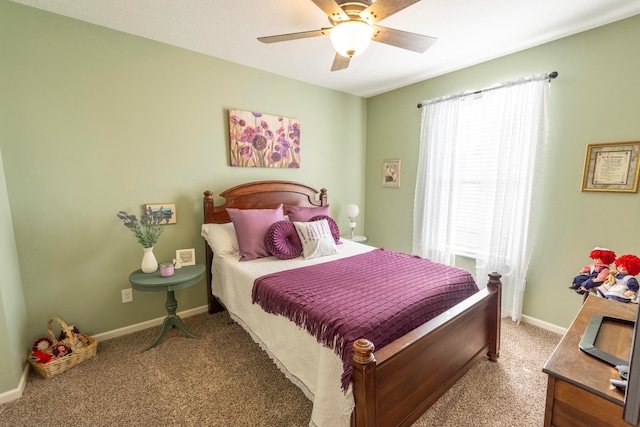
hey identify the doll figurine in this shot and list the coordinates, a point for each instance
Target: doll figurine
(622, 285)
(594, 274)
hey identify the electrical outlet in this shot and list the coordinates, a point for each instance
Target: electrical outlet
(127, 295)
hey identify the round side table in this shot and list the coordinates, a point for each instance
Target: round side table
(153, 282)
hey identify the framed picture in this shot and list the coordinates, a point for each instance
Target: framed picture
(611, 167)
(186, 256)
(258, 140)
(391, 173)
(168, 210)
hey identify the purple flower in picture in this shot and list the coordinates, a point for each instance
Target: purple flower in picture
(264, 124)
(274, 157)
(245, 151)
(249, 132)
(257, 114)
(294, 165)
(294, 133)
(242, 122)
(260, 143)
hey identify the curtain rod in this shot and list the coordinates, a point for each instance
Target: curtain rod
(551, 75)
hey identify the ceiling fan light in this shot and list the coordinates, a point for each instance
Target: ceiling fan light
(351, 38)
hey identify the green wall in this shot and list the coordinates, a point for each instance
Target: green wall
(594, 100)
(97, 121)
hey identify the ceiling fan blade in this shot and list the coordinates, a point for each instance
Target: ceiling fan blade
(294, 36)
(402, 39)
(384, 8)
(331, 8)
(340, 62)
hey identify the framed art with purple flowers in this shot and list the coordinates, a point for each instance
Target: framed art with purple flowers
(263, 141)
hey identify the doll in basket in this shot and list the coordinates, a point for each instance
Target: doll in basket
(621, 285)
(594, 274)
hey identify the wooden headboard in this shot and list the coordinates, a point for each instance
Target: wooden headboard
(255, 195)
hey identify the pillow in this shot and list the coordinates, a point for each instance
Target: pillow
(316, 239)
(221, 238)
(335, 230)
(282, 240)
(251, 226)
(303, 213)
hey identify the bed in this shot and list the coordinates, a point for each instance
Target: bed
(390, 386)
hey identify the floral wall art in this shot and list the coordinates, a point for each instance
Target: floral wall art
(263, 141)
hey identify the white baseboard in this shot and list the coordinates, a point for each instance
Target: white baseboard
(144, 325)
(16, 393)
(544, 325)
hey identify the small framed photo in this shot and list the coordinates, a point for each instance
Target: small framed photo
(391, 173)
(186, 256)
(611, 167)
(168, 210)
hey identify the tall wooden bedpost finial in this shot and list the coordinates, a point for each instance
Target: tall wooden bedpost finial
(496, 316)
(323, 197)
(364, 383)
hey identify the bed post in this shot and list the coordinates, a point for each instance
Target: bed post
(496, 316)
(323, 197)
(364, 380)
(212, 302)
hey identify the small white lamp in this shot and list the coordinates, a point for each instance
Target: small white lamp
(352, 212)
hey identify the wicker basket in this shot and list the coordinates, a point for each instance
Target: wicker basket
(77, 356)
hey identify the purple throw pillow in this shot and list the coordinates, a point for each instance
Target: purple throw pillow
(251, 226)
(282, 240)
(335, 230)
(304, 213)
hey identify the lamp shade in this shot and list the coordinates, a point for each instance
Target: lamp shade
(353, 211)
(351, 38)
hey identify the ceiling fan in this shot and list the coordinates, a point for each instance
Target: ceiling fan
(354, 26)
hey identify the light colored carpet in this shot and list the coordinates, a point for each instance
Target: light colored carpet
(186, 382)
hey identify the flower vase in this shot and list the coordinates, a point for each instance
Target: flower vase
(149, 262)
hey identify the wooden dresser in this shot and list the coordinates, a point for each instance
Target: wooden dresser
(579, 392)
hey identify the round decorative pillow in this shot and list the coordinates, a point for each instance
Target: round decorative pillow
(335, 230)
(282, 240)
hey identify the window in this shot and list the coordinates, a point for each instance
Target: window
(476, 152)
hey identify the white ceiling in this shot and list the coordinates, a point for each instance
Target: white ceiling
(468, 32)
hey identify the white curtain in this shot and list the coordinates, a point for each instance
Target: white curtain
(510, 183)
(433, 208)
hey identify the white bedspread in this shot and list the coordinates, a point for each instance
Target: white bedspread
(311, 366)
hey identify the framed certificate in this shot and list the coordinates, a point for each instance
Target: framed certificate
(611, 167)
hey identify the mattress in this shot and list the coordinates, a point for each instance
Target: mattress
(315, 369)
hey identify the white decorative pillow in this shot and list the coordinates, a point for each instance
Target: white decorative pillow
(316, 239)
(222, 238)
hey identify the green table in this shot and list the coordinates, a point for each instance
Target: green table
(153, 282)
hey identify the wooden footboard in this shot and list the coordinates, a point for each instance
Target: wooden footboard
(397, 384)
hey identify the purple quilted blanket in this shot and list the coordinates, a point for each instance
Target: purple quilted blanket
(379, 295)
